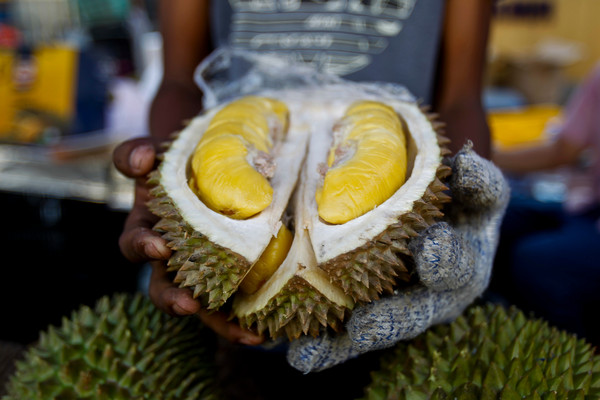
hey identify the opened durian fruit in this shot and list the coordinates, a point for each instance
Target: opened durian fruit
(288, 209)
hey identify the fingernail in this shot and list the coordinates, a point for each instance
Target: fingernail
(180, 310)
(250, 340)
(155, 249)
(138, 155)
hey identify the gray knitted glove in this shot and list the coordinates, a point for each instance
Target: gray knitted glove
(453, 259)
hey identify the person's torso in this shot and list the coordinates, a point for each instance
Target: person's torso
(362, 40)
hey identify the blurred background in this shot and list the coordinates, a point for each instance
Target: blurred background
(74, 81)
(77, 77)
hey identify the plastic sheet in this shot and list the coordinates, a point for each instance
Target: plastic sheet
(229, 73)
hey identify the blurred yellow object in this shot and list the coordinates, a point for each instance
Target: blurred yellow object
(6, 92)
(29, 128)
(41, 83)
(522, 126)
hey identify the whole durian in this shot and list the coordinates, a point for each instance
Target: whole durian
(489, 353)
(295, 206)
(124, 348)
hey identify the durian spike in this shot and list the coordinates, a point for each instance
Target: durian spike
(489, 352)
(115, 357)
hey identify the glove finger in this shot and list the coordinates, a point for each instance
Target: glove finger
(440, 258)
(383, 323)
(476, 183)
(308, 354)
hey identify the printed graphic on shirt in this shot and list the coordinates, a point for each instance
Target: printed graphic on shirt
(336, 36)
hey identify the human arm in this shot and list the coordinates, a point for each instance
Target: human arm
(184, 29)
(580, 124)
(539, 157)
(184, 26)
(460, 75)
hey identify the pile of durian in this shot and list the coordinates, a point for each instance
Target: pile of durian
(125, 348)
(290, 209)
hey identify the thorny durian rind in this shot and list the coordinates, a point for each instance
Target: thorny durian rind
(357, 261)
(489, 352)
(123, 348)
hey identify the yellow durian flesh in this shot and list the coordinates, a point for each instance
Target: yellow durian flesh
(278, 108)
(263, 113)
(226, 182)
(376, 169)
(222, 171)
(259, 140)
(268, 262)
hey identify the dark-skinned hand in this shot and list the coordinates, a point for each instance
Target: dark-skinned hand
(135, 158)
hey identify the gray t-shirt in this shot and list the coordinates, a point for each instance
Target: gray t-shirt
(362, 40)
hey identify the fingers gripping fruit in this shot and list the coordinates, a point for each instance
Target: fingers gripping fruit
(294, 208)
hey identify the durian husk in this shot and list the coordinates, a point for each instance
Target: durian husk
(489, 352)
(384, 262)
(298, 299)
(123, 348)
(363, 273)
(298, 309)
(211, 271)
